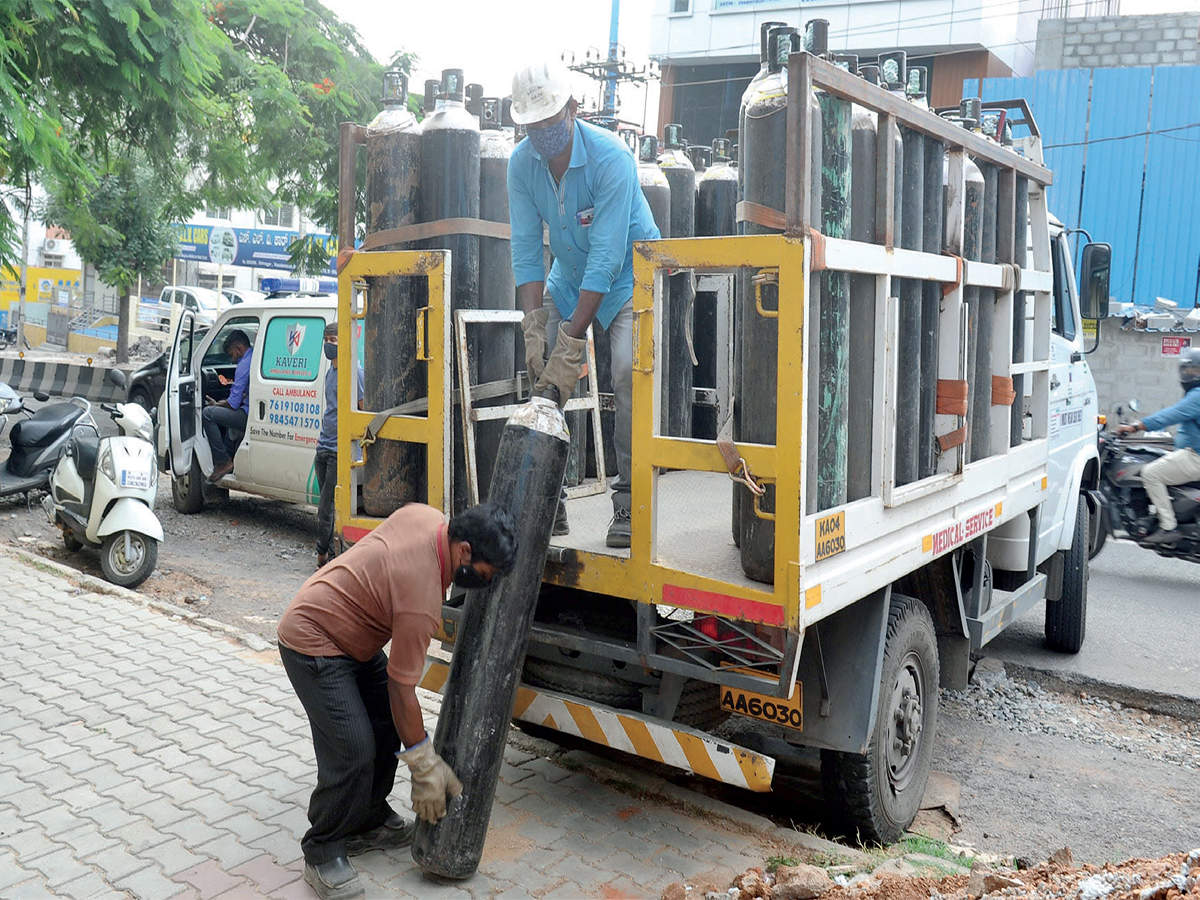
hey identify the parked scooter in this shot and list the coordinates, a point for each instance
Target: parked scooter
(36, 440)
(1125, 500)
(102, 494)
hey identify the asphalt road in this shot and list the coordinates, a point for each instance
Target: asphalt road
(1143, 619)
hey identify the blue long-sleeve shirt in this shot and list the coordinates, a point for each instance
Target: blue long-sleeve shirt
(239, 395)
(594, 215)
(1185, 414)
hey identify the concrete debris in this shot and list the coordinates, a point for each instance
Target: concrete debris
(802, 882)
(1062, 858)
(995, 881)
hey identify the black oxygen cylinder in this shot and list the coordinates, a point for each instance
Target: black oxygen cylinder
(752, 90)
(393, 472)
(474, 99)
(1020, 252)
(450, 189)
(677, 329)
(972, 248)
(908, 357)
(433, 87)
(981, 418)
(716, 211)
(834, 361)
(655, 187)
(492, 636)
(699, 156)
(931, 304)
(860, 423)
(764, 147)
(496, 288)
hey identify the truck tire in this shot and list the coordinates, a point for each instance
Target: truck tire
(1101, 533)
(1066, 619)
(877, 794)
(187, 489)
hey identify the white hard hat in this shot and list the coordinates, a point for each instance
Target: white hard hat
(539, 91)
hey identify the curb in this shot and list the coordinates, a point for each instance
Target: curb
(62, 379)
(99, 586)
(1157, 702)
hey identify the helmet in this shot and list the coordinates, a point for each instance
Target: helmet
(539, 91)
(1189, 367)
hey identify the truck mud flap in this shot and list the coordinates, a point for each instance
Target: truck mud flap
(630, 732)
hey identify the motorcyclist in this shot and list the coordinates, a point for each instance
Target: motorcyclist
(1182, 464)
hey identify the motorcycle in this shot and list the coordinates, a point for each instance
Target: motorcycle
(35, 440)
(1126, 504)
(102, 494)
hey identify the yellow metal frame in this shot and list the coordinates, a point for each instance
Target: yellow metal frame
(781, 464)
(430, 428)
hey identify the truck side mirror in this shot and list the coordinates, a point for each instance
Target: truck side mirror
(1093, 280)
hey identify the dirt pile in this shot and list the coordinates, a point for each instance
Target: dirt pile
(1058, 878)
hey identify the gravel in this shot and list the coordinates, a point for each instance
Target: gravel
(1028, 708)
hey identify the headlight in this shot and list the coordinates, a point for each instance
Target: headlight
(106, 463)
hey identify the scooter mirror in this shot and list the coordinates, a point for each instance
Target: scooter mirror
(1133, 406)
(41, 396)
(117, 377)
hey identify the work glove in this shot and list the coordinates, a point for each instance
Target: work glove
(432, 781)
(564, 368)
(534, 327)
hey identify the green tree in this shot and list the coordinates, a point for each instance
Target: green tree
(120, 223)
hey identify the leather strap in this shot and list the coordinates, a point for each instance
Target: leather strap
(951, 397)
(1002, 391)
(421, 231)
(817, 262)
(758, 214)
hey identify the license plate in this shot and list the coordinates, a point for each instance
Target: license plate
(132, 479)
(787, 712)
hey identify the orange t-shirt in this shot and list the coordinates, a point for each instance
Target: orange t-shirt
(388, 586)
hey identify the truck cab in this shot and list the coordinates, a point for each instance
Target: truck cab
(274, 457)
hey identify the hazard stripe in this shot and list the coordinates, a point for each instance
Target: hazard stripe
(633, 733)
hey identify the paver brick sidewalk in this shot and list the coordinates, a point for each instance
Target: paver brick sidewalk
(143, 756)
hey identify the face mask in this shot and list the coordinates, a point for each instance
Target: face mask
(330, 350)
(468, 577)
(552, 140)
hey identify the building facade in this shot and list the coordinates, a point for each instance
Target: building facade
(1102, 41)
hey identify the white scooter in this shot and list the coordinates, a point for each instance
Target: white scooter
(102, 494)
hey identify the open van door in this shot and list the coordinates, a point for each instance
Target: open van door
(180, 395)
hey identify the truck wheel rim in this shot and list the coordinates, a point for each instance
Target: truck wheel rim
(127, 563)
(903, 734)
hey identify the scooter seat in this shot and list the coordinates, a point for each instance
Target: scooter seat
(85, 447)
(45, 425)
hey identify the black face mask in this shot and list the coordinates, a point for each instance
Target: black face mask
(468, 577)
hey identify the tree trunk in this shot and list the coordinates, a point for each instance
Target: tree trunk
(123, 323)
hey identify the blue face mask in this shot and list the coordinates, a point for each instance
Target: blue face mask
(553, 139)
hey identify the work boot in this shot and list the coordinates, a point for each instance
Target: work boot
(334, 880)
(1162, 537)
(394, 833)
(221, 471)
(560, 520)
(619, 528)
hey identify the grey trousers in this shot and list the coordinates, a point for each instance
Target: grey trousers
(1177, 467)
(620, 342)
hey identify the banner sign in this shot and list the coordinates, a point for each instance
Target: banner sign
(293, 348)
(747, 5)
(262, 248)
(1172, 346)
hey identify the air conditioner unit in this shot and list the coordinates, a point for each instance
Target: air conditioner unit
(51, 243)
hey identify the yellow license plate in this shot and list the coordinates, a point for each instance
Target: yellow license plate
(789, 712)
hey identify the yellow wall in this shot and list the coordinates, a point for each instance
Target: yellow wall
(83, 343)
(35, 278)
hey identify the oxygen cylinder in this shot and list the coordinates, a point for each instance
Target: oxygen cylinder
(492, 636)
(629, 137)
(764, 147)
(450, 189)
(433, 87)
(474, 99)
(981, 417)
(677, 329)
(1020, 252)
(393, 472)
(655, 187)
(908, 357)
(931, 304)
(716, 211)
(860, 420)
(699, 157)
(496, 288)
(835, 288)
(972, 248)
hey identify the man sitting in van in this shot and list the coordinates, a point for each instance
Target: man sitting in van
(221, 419)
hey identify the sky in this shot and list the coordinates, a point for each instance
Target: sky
(488, 39)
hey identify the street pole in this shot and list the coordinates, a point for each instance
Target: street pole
(24, 273)
(610, 83)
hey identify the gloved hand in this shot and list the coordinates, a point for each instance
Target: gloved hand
(565, 366)
(432, 781)
(534, 327)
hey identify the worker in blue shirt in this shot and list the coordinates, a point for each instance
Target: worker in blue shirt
(580, 182)
(223, 419)
(325, 461)
(1182, 464)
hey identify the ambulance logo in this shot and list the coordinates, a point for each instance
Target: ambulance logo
(295, 337)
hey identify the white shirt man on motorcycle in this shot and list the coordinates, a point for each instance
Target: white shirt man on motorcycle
(1183, 463)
